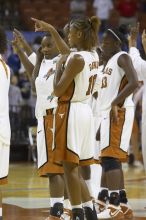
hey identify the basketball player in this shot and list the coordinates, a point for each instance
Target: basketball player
(140, 66)
(119, 80)
(4, 115)
(42, 77)
(74, 125)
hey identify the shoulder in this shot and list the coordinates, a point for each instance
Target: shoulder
(124, 56)
(77, 59)
(124, 59)
(75, 63)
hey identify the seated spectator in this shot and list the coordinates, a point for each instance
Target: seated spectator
(102, 9)
(128, 11)
(78, 8)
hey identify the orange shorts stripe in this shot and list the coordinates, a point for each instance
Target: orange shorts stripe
(113, 150)
(87, 162)
(61, 152)
(49, 166)
(3, 180)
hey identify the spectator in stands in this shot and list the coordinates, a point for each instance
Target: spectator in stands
(102, 9)
(78, 8)
(143, 5)
(25, 87)
(14, 62)
(15, 100)
(113, 21)
(15, 97)
(16, 16)
(128, 11)
(26, 110)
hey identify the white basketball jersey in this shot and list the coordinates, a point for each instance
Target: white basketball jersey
(4, 102)
(84, 81)
(44, 87)
(113, 81)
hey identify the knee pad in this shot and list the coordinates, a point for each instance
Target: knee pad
(110, 163)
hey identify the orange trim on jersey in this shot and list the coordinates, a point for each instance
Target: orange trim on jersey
(123, 83)
(114, 150)
(5, 67)
(67, 96)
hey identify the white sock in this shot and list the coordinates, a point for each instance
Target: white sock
(0, 211)
(88, 204)
(90, 188)
(67, 204)
(77, 206)
(56, 200)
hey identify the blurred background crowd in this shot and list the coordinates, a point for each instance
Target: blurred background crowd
(17, 14)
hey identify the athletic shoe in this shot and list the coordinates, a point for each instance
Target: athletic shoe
(112, 212)
(99, 206)
(127, 211)
(67, 214)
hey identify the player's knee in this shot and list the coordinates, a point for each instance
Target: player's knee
(110, 163)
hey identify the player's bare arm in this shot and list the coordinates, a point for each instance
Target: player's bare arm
(22, 42)
(23, 58)
(132, 39)
(37, 67)
(75, 65)
(125, 63)
(60, 43)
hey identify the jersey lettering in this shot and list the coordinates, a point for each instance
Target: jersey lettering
(104, 82)
(93, 65)
(92, 80)
(108, 71)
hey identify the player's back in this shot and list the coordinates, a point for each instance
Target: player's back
(82, 85)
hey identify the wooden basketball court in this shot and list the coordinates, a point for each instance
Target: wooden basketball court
(26, 197)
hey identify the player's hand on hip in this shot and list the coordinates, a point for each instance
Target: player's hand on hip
(61, 62)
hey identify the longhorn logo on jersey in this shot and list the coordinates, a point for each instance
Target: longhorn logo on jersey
(49, 73)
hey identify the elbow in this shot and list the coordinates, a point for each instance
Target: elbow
(57, 92)
(134, 85)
